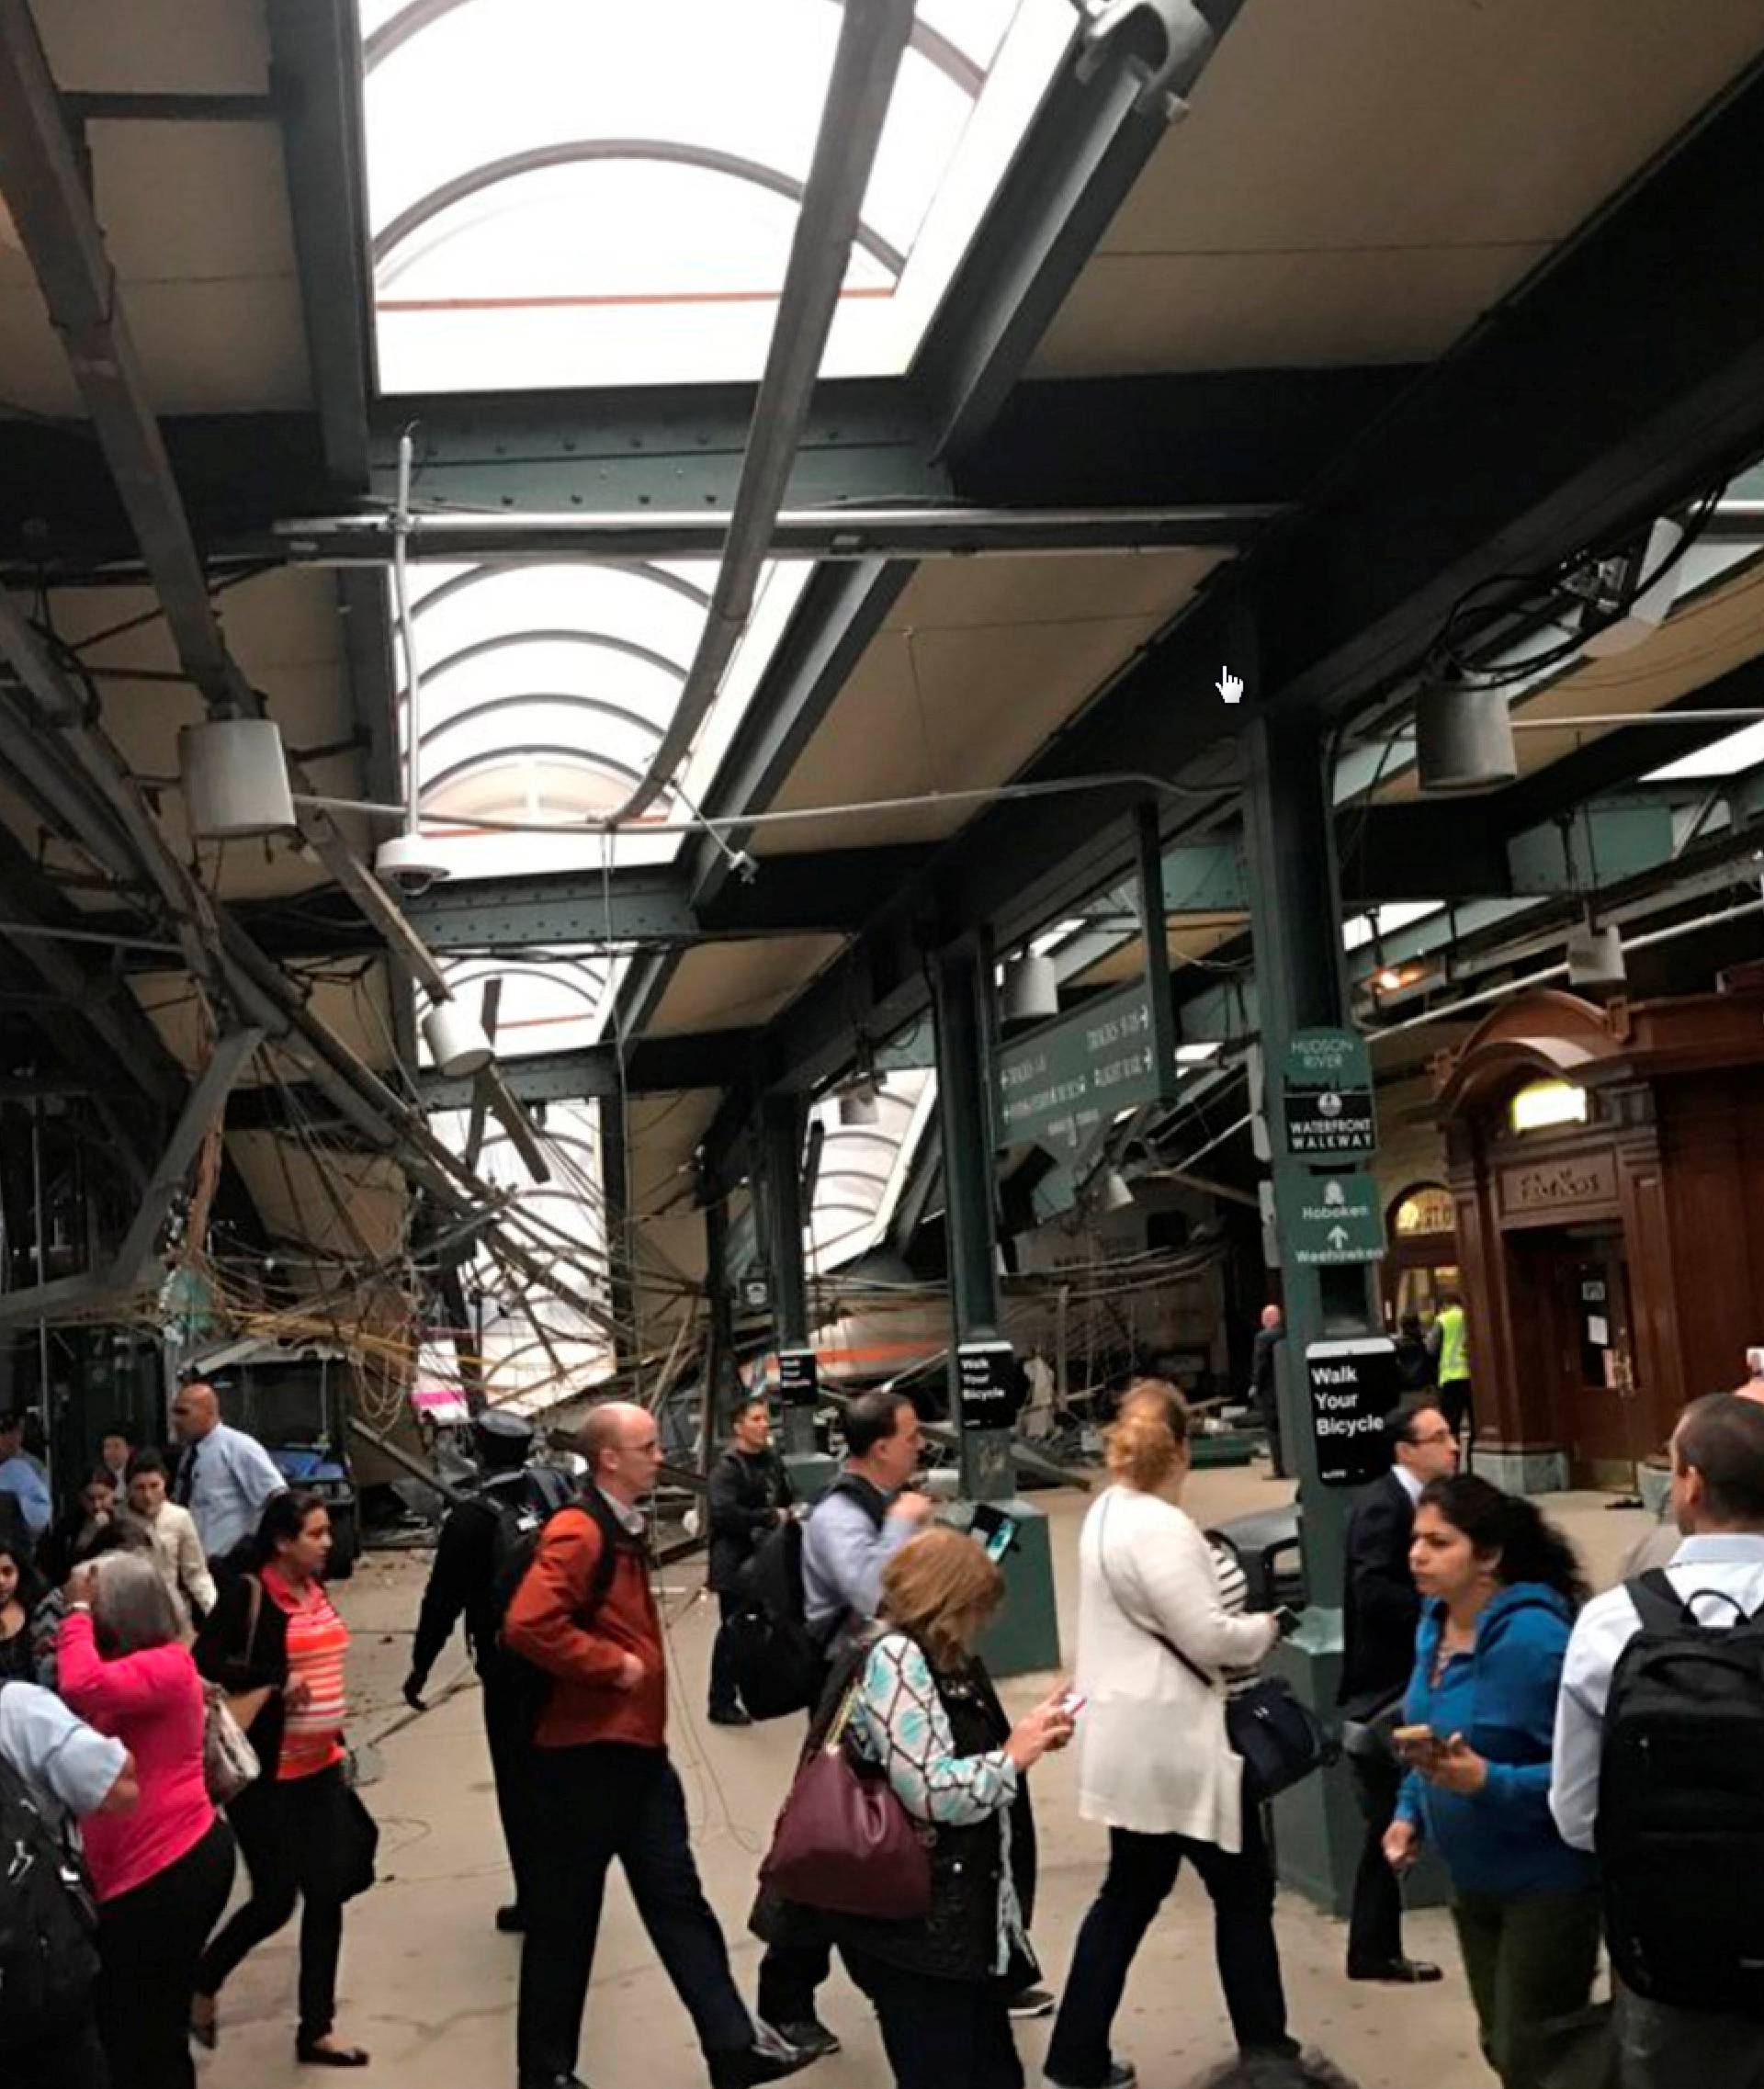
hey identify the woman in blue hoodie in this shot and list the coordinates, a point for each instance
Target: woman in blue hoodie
(1500, 1587)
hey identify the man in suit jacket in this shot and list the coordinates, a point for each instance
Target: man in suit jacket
(1378, 1657)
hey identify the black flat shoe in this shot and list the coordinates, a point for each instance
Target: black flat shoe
(311, 2053)
(1399, 1972)
(734, 1716)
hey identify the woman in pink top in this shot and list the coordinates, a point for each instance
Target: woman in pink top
(163, 1872)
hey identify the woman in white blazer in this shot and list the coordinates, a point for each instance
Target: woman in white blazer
(1155, 1766)
(170, 1535)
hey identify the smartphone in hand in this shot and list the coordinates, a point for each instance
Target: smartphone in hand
(1288, 1618)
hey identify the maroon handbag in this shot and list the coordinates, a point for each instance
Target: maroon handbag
(845, 1844)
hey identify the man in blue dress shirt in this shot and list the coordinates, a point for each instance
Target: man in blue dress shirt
(224, 1477)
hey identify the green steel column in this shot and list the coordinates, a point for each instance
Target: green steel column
(722, 1381)
(1295, 922)
(780, 1156)
(1026, 1636)
(621, 1260)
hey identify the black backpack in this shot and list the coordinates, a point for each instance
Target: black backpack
(48, 1954)
(521, 1522)
(524, 1504)
(778, 1662)
(1681, 1828)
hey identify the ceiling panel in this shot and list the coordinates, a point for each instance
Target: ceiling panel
(731, 985)
(1358, 181)
(209, 47)
(1189, 945)
(285, 1184)
(195, 216)
(980, 663)
(355, 1008)
(1139, 315)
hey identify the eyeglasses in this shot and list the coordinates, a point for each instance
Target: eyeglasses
(1433, 1436)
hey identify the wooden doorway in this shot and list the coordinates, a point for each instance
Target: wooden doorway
(1574, 1283)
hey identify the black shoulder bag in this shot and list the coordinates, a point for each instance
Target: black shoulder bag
(1280, 1740)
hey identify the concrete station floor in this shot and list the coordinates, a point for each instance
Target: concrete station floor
(429, 1987)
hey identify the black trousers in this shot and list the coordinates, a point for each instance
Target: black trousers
(1142, 1870)
(71, 2059)
(509, 1707)
(1457, 1407)
(725, 1693)
(940, 2033)
(605, 1801)
(275, 1822)
(150, 1940)
(1375, 1918)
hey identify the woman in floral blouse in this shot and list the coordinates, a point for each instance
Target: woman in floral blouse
(926, 1712)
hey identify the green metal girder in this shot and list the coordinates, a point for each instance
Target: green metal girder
(1599, 844)
(672, 449)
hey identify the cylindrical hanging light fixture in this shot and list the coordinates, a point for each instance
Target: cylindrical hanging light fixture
(235, 778)
(859, 1107)
(1031, 988)
(456, 1040)
(1596, 955)
(1114, 1192)
(1463, 739)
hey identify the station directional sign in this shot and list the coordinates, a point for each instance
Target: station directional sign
(1064, 1084)
(1326, 1091)
(1337, 1219)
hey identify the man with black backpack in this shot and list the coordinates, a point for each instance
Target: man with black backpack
(483, 1542)
(1659, 1768)
(54, 1769)
(749, 1496)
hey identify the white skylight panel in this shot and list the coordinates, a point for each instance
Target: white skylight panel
(1728, 757)
(571, 194)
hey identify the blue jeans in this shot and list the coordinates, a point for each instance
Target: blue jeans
(1142, 1870)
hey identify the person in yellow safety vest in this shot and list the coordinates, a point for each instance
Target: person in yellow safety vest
(1450, 1345)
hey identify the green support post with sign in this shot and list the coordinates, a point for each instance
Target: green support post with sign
(1319, 1126)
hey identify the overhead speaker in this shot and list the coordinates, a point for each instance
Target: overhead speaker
(456, 1040)
(235, 778)
(859, 1107)
(1596, 957)
(1463, 739)
(1031, 989)
(1114, 1195)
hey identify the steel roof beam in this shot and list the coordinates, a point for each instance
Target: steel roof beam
(1093, 139)
(1350, 592)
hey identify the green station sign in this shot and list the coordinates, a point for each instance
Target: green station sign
(1337, 1219)
(1326, 1095)
(1061, 1086)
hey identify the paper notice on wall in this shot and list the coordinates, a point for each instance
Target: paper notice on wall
(1598, 1331)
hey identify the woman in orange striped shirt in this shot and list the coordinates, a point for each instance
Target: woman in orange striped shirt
(275, 1637)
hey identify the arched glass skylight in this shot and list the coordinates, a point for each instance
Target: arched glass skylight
(570, 192)
(535, 1347)
(546, 690)
(864, 1169)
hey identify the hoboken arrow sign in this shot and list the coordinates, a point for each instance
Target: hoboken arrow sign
(1338, 1220)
